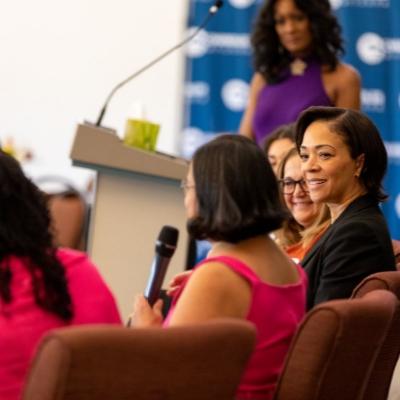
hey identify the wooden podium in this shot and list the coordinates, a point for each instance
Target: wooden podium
(136, 193)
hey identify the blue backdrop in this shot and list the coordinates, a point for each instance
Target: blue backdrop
(219, 70)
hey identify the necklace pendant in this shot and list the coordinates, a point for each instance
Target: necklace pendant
(297, 67)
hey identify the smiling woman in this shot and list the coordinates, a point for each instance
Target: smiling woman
(343, 163)
(308, 219)
(296, 193)
(333, 176)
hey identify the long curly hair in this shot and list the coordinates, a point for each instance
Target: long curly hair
(25, 232)
(271, 58)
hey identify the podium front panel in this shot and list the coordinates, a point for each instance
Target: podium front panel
(129, 212)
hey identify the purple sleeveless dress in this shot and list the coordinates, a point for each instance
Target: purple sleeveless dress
(281, 103)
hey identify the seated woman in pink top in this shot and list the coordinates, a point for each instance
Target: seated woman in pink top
(246, 275)
(41, 287)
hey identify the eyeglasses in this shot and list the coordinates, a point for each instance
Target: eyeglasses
(185, 186)
(289, 185)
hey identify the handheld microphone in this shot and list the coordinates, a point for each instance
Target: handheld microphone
(165, 248)
(211, 11)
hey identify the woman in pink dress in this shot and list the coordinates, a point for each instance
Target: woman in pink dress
(41, 287)
(245, 275)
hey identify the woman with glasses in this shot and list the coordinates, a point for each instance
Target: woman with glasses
(246, 275)
(343, 161)
(308, 219)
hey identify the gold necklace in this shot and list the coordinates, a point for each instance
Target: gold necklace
(297, 67)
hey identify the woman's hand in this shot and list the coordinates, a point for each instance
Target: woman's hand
(176, 282)
(144, 315)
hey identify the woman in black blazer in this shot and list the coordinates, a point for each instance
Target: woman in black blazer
(343, 162)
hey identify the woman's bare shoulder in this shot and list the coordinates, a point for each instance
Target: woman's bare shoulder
(213, 271)
(345, 73)
(258, 81)
(343, 86)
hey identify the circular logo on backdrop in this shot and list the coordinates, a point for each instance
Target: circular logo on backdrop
(192, 138)
(371, 48)
(198, 46)
(336, 4)
(241, 3)
(235, 93)
(397, 205)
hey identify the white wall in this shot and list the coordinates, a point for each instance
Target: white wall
(60, 59)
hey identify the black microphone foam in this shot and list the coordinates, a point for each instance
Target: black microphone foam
(166, 241)
(165, 248)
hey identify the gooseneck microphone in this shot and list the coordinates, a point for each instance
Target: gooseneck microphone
(165, 248)
(211, 11)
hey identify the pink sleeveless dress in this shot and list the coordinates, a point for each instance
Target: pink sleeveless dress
(23, 323)
(276, 312)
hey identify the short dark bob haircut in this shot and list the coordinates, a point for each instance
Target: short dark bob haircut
(236, 190)
(271, 59)
(360, 135)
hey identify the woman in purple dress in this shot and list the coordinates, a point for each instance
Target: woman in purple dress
(297, 45)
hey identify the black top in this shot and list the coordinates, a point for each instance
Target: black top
(356, 245)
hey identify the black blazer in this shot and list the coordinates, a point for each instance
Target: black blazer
(356, 245)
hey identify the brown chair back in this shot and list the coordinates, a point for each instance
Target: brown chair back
(68, 214)
(381, 378)
(199, 362)
(335, 348)
(388, 280)
(68, 211)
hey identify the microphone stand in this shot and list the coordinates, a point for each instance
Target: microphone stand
(211, 12)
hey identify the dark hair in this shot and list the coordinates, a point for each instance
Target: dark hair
(236, 191)
(25, 233)
(271, 59)
(360, 135)
(281, 132)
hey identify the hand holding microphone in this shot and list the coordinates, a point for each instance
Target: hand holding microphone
(144, 315)
(165, 248)
(144, 312)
